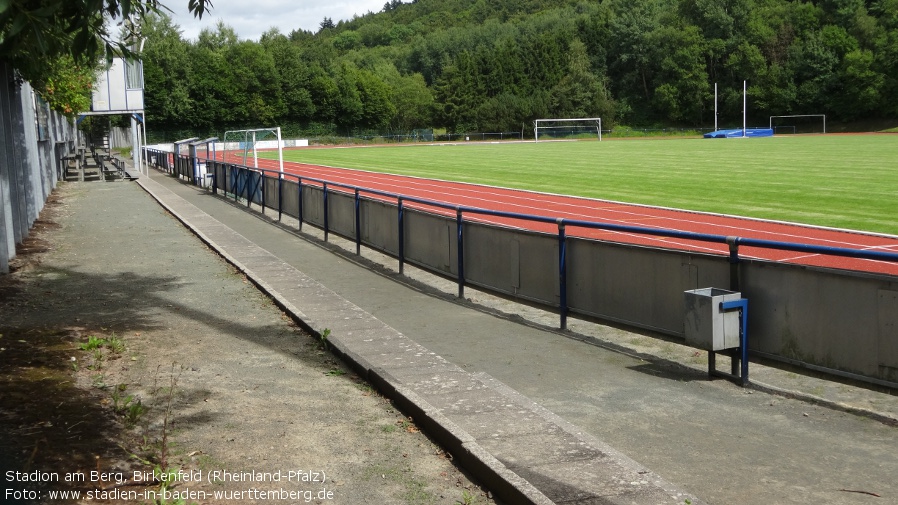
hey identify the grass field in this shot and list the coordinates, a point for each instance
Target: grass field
(841, 181)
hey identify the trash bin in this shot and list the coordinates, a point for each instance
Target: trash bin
(706, 326)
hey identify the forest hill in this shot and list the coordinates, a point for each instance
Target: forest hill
(467, 65)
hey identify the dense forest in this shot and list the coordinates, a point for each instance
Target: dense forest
(495, 65)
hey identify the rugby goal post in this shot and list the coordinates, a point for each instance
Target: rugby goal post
(243, 141)
(570, 127)
(819, 117)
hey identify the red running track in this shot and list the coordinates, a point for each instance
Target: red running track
(585, 209)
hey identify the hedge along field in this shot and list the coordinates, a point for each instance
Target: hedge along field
(843, 181)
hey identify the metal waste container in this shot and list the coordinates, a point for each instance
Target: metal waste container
(706, 325)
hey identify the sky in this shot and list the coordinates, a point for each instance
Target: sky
(250, 18)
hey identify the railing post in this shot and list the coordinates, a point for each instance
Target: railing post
(214, 177)
(358, 223)
(461, 253)
(249, 192)
(262, 185)
(401, 210)
(324, 185)
(733, 242)
(562, 275)
(237, 172)
(299, 199)
(280, 197)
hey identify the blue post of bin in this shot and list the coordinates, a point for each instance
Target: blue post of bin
(716, 320)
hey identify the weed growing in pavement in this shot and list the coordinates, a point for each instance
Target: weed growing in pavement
(324, 334)
(96, 345)
(367, 389)
(169, 395)
(115, 344)
(119, 403)
(466, 498)
(92, 343)
(134, 410)
(170, 479)
(129, 407)
(97, 363)
(98, 381)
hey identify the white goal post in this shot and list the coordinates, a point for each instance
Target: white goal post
(823, 116)
(590, 124)
(237, 140)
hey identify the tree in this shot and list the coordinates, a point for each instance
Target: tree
(327, 24)
(294, 75)
(411, 98)
(456, 98)
(49, 42)
(631, 29)
(859, 86)
(580, 93)
(168, 70)
(35, 31)
(377, 108)
(349, 102)
(325, 95)
(67, 85)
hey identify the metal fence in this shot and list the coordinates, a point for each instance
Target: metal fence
(838, 321)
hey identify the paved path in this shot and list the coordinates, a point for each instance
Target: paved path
(545, 416)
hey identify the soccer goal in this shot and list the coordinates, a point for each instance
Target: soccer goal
(239, 145)
(798, 123)
(567, 129)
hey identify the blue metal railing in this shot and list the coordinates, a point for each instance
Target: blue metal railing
(733, 242)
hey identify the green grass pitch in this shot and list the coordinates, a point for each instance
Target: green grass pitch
(841, 181)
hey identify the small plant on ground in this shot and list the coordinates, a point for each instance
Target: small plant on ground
(466, 498)
(168, 398)
(407, 425)
(99, 381)
(115, 344)
(324, 334)
(92, 343)
(97, 363)
(129, 407)
(366, 388)
(134, 410)
(170, 479)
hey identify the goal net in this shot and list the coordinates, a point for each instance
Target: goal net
(798, 123)
(242, 146)
(567, 129)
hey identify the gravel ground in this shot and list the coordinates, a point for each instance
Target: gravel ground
(128, 346)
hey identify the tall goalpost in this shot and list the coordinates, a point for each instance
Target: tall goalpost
(552, 126)
(252, 139)
(822, 116)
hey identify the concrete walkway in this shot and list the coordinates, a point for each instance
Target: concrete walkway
(545, 416)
